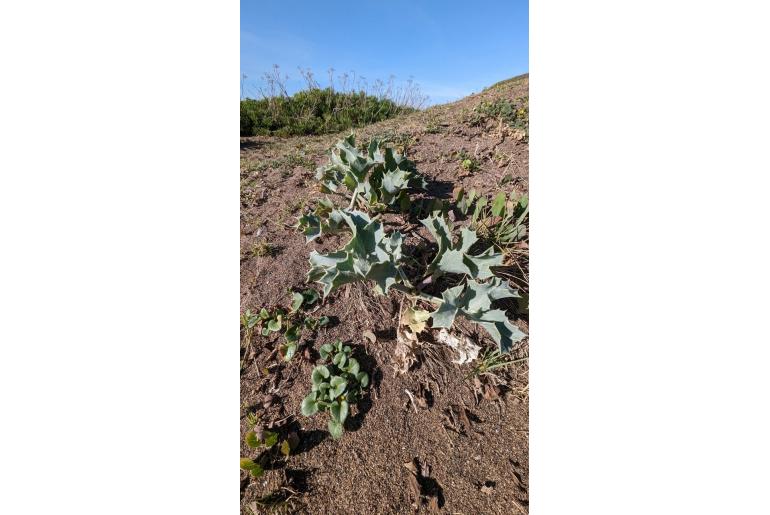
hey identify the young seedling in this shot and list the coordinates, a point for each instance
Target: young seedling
(256, 440)
(336, 386)
(291, 322)
(266, 442)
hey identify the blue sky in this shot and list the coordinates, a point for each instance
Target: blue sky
(450, 48)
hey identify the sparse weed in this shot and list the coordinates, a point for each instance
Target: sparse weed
(501, 221)
(513, 113)
(291, 322)
(467, 162)
(491, 360)
(433, 125)
(268, 443)
(263, 248)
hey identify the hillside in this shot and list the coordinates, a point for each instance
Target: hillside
(436, 438)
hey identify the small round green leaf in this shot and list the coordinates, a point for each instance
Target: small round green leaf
(363, 378)
(319, 374)
(289, 351)
(252, 440)
(338, 386)
(335, 428)
(292, 333)
(247, 464)
(309, 405)
(335, 410)
(296, 301)
(326, 349)
(270, 439)
(353, 366)
(339, 359)
(310, 296)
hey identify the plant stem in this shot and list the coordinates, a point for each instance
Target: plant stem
(419, 294)
(353, 200)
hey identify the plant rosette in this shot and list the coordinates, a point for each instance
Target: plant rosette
(336, 386)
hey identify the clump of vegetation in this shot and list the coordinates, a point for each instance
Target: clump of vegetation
(290, 322)
(267, 442)
(501, 221)
(378, 179)
(263, 248)
(513, 113)
(400, 141)
(263, 439)
(374, 255)
(318, 110)
(493, 359)
(336, 386)
(467, 162)
(433, 124)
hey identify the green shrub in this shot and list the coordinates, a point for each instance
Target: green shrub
(314, 111)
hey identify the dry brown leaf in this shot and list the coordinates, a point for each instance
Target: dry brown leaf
(405, 350)
(415, 319)
(466, 349)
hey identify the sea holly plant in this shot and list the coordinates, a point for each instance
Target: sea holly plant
(473, 300)
(337, 385)
(373, 255)
(378, 179)
(369, 255)
(322, 220)
(456, 257)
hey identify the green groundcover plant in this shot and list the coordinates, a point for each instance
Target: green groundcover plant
(337, 385)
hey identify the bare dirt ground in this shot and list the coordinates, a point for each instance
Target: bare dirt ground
(431, 440)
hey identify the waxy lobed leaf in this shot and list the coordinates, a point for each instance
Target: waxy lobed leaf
(456, 258)
(474, 300)
(369, 255)
(380, 178)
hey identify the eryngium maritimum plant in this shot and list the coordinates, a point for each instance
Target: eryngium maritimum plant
(377, 179)
(456, 258)
(473, 300)
(369, 255)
